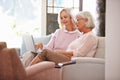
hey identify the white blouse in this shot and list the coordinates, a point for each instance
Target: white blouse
(85, 46)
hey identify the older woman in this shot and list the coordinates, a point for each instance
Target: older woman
(87, 44)
(84, 46)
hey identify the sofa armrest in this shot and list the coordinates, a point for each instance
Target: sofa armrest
(88, 60)
(86, 68)
(81, 60)
(34, 69)
(3, 45)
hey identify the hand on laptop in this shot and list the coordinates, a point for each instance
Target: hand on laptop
(38, 46)
(39, 50)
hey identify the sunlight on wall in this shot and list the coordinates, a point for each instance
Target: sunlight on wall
(17, 18)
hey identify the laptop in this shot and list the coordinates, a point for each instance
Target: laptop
(30, 44)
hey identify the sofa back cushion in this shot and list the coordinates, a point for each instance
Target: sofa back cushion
(43, 39)
(100, 53)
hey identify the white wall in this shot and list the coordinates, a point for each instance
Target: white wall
(112, 67)
(43, 17)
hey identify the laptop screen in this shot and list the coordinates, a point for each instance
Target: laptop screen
(29, 42)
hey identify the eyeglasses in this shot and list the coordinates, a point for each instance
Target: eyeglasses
(78, 19)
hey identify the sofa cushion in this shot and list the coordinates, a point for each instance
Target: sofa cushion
(11, 67)
(100, 53)
(43, 39)
(3, 45)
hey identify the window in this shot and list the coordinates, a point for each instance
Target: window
(54, 7)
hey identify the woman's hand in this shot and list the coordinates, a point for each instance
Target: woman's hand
(38, 45)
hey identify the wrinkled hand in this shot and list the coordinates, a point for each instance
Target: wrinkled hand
(38, 45)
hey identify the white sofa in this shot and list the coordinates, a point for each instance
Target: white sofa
(87, 68)
(84, 68)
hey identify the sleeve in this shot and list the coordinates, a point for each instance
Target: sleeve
(87, 44)
(51, 43)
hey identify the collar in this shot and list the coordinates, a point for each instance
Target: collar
(71, 31)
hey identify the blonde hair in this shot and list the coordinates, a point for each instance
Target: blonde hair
(87, 15)
(70, 13)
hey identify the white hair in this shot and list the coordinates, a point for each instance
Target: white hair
(87, 15)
